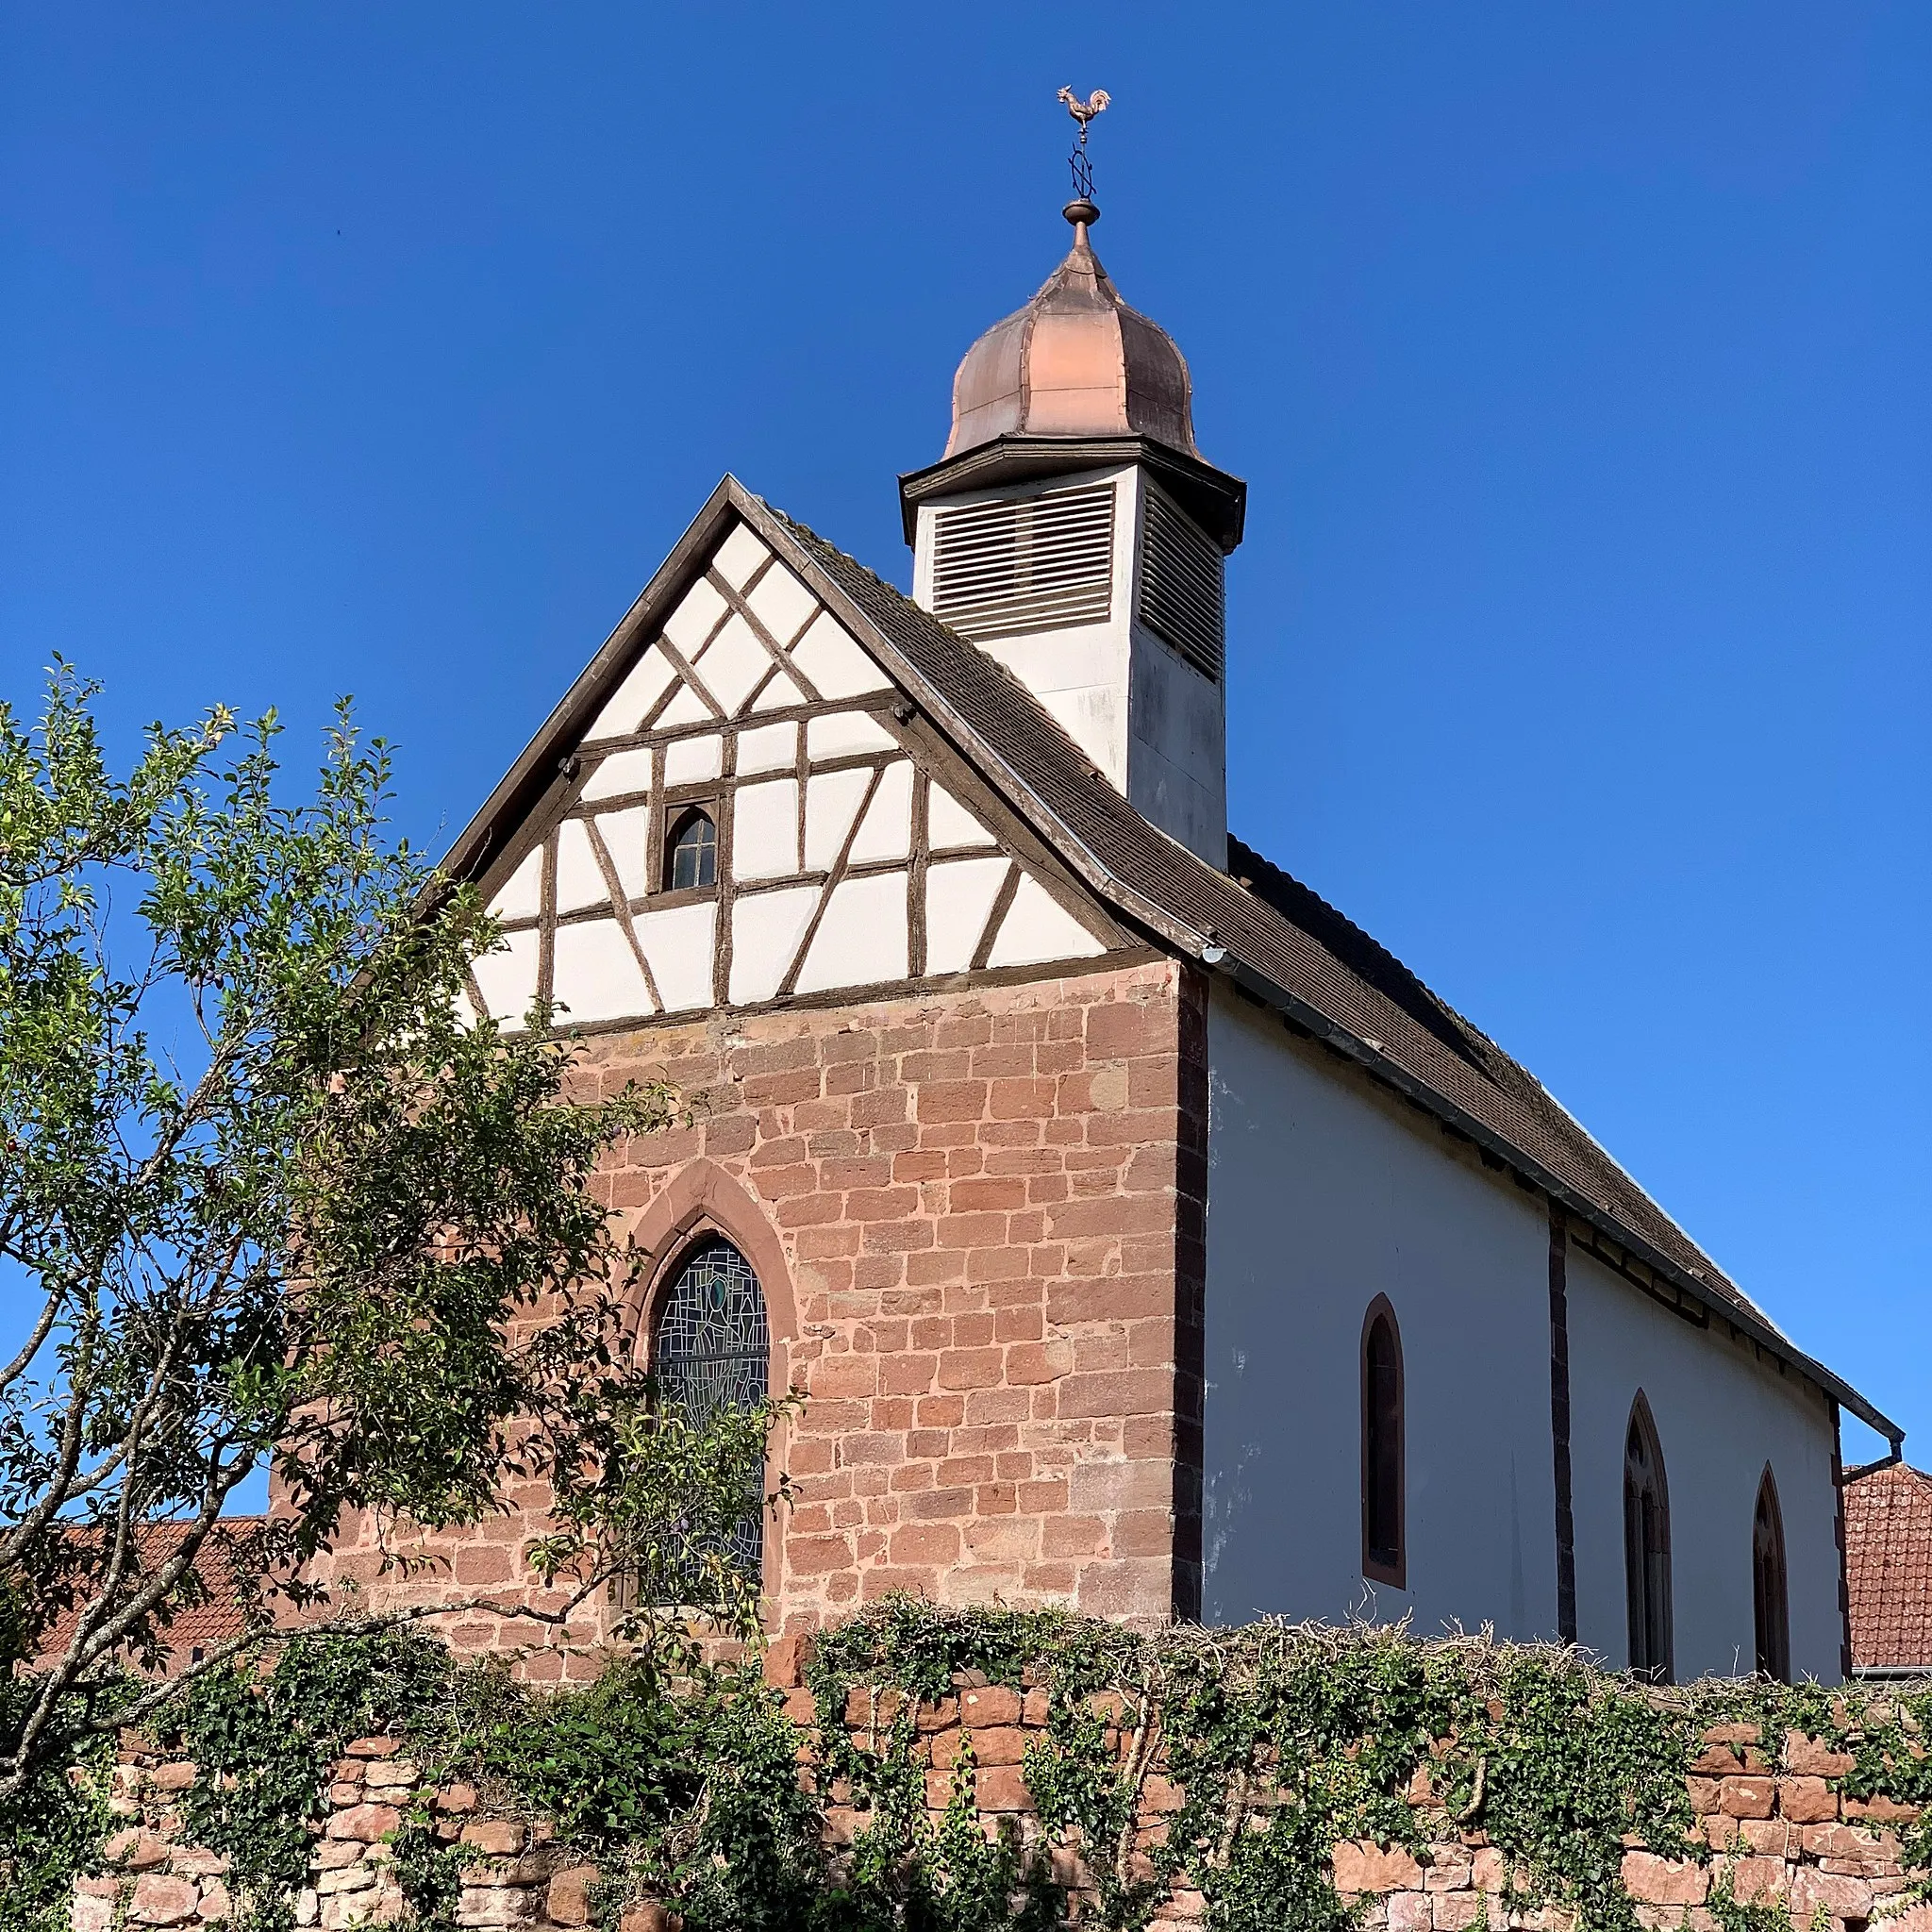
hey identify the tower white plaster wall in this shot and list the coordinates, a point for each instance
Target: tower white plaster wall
(1721, 1415)
(1322, 1194)
(1155, 726)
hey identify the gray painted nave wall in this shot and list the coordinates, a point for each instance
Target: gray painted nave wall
(1319, 1199)
(1323, 1193)
(1721, 1416)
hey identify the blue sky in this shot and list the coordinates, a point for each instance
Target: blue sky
(1576, 358)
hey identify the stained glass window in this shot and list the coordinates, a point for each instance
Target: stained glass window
(713, 1350)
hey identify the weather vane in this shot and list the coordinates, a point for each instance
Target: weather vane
(1083, 111)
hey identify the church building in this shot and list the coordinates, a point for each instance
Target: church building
(1143, 1236)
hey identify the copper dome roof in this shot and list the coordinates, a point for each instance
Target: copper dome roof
(1076, 361)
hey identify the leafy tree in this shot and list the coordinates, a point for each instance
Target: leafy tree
(272, 1191)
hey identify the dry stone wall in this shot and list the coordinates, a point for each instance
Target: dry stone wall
(1780, 1838)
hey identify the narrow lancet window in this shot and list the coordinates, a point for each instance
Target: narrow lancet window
(1384, 1555)
(691, 852)
(1647, 1547)
(1770, 1611)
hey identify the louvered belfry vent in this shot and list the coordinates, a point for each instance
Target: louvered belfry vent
(1003, 570)
(1181, 585)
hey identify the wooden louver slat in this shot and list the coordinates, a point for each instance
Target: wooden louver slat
(1182, 591)
(1043, 563)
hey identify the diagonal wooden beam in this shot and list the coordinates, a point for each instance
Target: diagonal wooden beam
(780, 654)
(995, 917)
(680, 664)
(788, 984)
(620, 904)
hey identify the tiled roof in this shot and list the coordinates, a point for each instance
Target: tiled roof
(1888, 1566)
(218, 1564)
(1325, 970)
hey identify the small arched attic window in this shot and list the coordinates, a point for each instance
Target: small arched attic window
(1385, 1555)
(1646, 1547)
(1770, 1612)
(691, 851)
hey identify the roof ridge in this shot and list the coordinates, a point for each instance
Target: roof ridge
(1899, 1473)
(1429, 1009)
(1273, 882)
(1461, 1033)
(1412, 1039)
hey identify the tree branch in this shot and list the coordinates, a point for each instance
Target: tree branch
(32, 1345)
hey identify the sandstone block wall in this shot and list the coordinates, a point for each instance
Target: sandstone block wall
(978, 1219)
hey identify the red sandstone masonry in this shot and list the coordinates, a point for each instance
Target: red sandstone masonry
(970, 1212)
(1841, 1870)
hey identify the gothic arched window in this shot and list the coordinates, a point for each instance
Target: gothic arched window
(1384, 1556)
(1770, 1615)
(713, 1350)
(1646, 1547)
(691, 851)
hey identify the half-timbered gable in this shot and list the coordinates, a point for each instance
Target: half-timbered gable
(839, 845)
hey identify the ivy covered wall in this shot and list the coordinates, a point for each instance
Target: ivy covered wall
(950, 1770)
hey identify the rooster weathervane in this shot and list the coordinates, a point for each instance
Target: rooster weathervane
(1083, 111)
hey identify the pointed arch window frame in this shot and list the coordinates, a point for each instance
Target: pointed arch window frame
(1383, 1454)
(707, 1236)
(1770, 1612)
(1649, 1618)
(703, 1199)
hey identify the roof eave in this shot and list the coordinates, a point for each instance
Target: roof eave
(1391, 1074)
(1175, 933)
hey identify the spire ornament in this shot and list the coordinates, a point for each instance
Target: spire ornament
(1081, 210)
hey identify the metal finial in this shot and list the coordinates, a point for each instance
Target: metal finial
(1081, 210)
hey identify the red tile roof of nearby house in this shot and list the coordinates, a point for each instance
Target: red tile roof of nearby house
(222, 1614)
(1888, 1566)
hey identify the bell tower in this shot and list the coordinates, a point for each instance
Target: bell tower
(1072, 531)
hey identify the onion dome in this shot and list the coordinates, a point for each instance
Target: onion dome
(1076, 361)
